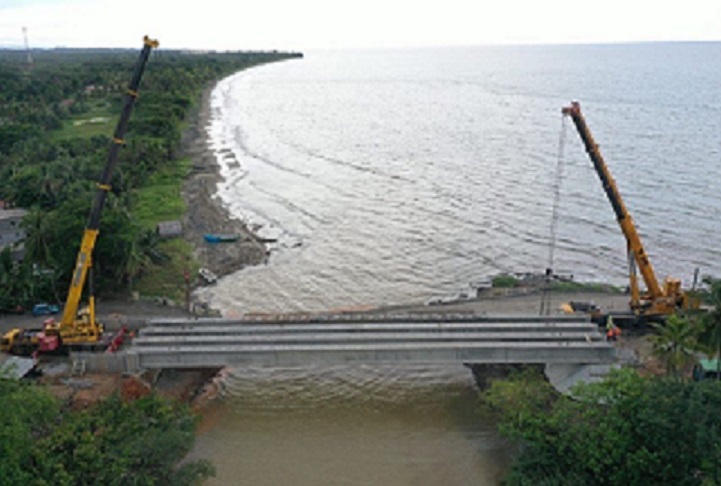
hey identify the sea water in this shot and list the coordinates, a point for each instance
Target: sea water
(393, 176)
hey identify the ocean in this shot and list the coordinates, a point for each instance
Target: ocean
(396, 176)
(402, 175)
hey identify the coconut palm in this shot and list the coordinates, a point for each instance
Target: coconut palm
(710, 330)
(143, 251)
(37, 241)
(674, 343)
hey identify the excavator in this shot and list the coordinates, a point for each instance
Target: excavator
(79, 329)
(657, 301)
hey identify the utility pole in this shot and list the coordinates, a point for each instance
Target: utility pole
(27, 48)
(187, 291)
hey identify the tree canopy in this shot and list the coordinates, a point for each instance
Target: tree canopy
(55, 128)
(113, 443)
(626, 430)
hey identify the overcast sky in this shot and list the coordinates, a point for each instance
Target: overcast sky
(298, 24)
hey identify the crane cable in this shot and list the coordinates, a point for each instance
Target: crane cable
(545, 296)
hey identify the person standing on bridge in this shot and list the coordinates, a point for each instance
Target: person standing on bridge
(612, 331)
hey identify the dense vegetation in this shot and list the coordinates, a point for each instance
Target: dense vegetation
(112, 443)
(628, 429)
(55, 127)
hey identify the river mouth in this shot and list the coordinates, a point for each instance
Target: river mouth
(353, 425)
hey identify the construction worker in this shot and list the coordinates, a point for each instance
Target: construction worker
(610, 329)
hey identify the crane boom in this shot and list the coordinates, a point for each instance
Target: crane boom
(70, 327)
(635, 247)
(657, 301)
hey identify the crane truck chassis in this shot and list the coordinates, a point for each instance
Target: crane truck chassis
(79, 329)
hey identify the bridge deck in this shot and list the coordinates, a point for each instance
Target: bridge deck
(294, 341)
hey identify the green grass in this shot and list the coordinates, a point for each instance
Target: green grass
(97, 121)
(168, 279)
(585, 287)
(161, 200)
(504, 281)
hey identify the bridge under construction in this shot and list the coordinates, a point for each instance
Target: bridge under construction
(571, 348)
(298, 340)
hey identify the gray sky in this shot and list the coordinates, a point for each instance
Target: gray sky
(297, 24)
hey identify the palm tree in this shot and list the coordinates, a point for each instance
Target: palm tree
(38, 233)
(674, 343)
(142, 251)
(710, 331)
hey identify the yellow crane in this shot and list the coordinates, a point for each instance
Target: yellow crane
(657, 301)
(80, 328)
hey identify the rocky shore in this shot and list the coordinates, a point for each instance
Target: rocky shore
(206, 212)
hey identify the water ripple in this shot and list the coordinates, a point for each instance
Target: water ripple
(403, 185)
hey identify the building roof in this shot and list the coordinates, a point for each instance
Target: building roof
(170, 228)
(12, 213)
(16, 367)
(709, 364)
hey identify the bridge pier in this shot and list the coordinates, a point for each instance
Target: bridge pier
(485, 374)
(565, 376)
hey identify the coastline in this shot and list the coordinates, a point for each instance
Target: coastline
(205, 212)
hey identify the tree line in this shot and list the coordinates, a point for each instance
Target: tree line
(54, 176)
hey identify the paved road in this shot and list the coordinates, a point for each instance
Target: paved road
(112, 314)
(116, 313)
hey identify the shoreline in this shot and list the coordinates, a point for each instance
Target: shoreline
(205, 212)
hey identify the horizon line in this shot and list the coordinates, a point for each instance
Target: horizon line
(15, 46)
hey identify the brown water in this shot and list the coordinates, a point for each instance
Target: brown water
(351, 426)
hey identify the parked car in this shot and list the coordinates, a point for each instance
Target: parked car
(45, 309)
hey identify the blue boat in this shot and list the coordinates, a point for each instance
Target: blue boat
(220, 238)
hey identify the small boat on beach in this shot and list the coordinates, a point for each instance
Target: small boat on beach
(208, 276)
(221, 238)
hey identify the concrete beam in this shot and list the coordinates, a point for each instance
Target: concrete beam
(189, 329)
(358, 337)
(365, 318)
(301, 355)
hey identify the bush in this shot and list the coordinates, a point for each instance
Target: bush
(504, 281)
